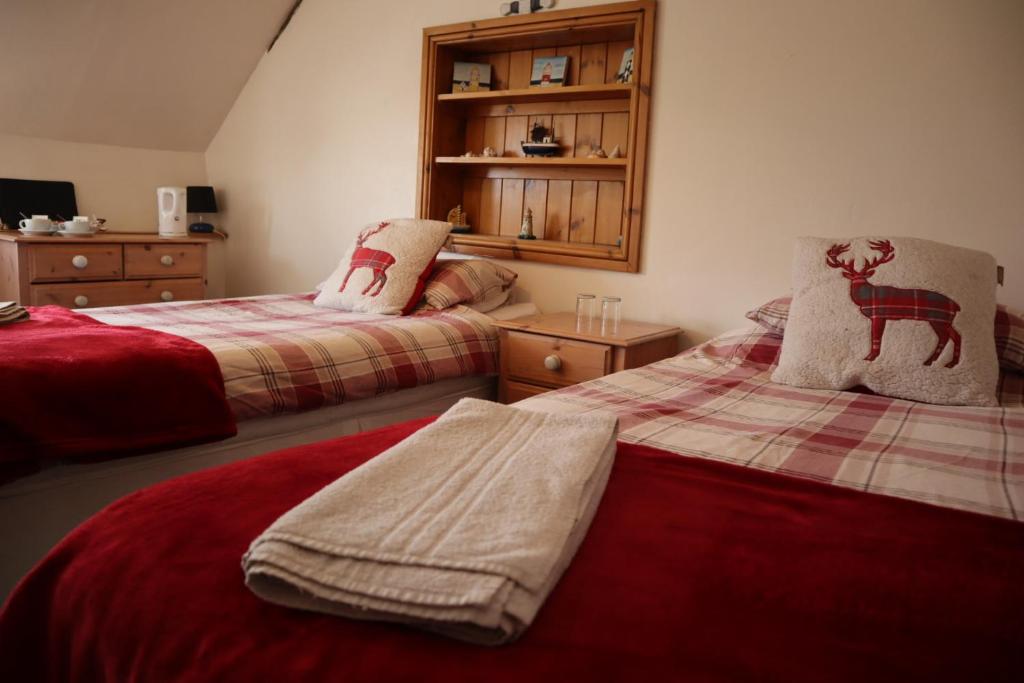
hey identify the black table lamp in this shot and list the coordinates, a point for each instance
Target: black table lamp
(200, 199)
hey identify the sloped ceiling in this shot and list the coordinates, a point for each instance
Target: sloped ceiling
(160, 74)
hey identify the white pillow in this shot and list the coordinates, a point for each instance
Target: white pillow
(903, 317)
(384, 271)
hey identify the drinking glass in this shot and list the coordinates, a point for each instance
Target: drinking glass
(584, 312)
(610, 311)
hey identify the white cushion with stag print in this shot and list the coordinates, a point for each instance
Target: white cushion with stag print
(384, 271)
(903, 317)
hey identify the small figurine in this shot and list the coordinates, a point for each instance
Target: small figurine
(470, 155)
(457, 217)
(490, 152)
(616, 153)
(597, 153)
(526, 232)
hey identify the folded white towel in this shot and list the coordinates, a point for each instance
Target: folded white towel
(463, 528)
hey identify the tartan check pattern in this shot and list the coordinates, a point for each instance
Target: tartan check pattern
(281, 354)
(717, 401)
(468, 281)
(1010, 339)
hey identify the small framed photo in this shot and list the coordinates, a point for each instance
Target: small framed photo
(625, 72)
(471, 77)
(549, 72)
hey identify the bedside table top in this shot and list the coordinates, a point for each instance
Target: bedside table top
(563, 325)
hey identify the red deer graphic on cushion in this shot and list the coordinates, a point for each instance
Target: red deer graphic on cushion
(374, 259)
(881, 304)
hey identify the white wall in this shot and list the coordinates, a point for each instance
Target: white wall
(770, 120)
(117, 183)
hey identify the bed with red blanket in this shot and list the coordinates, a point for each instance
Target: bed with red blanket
(78, 388)
(695, 568)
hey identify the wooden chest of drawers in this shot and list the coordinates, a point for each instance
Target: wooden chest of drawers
(109, 269)
(544, 352)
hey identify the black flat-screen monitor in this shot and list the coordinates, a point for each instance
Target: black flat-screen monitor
(55, 198)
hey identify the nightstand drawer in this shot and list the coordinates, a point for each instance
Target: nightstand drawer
(143, 261)
(63, 262)
(510, 391)
(552, 361)
(93, 294)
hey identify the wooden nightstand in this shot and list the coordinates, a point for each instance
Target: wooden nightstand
(544, 352)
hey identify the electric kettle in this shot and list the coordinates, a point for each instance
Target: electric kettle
(171, 208)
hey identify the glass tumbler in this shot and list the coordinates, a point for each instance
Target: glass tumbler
(610, 311)
(584, 312)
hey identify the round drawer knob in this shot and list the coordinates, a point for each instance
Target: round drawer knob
(81, 301)
(79, 261)
(553, 362)
(167, 260)
(167, 295)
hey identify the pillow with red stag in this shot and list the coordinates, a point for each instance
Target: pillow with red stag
(904, 317)
(384, 271)
(1009, 329)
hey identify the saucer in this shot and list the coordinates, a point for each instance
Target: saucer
(70, 233)
(28, 231)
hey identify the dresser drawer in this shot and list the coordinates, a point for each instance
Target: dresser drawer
(63, 262)
(572, 361)
(93, 294)
(145, 261)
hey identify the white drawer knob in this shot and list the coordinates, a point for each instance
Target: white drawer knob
(79, 261)
(167, 260)
(552, 362)
(81, 301)
(167, 295)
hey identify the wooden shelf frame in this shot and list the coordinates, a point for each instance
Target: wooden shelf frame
(534, 161)
(603, 91)
(609, 191)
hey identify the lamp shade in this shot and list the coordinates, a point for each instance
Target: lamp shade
(200, 199)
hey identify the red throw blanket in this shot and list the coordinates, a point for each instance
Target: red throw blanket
(692, 570)
(75, 388)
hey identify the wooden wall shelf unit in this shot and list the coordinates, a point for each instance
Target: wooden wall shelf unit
(587, 212)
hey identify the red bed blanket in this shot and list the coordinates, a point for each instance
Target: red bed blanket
(77, 388)
(692, 570)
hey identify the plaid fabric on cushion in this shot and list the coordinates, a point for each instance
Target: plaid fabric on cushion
(466, 281)
(772, 315)
(1010, 339)
(282, 354)
(717, 401)
(1009, 329)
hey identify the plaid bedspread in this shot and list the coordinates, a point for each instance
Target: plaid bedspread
(717, 401)
(281, 354)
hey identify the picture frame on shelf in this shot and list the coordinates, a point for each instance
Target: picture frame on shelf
(549, 72)
(625, 72)
(471, 77)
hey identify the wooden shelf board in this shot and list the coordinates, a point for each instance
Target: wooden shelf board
(601, 91)
(533, 161)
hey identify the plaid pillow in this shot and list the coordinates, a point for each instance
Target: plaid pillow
(1010, 339)
(467, 281)
(772, 315)
(1009, 329)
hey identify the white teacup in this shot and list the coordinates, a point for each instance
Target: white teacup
(78, 224)
(37, 222)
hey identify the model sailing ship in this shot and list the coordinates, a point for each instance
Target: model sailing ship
(542, 142)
